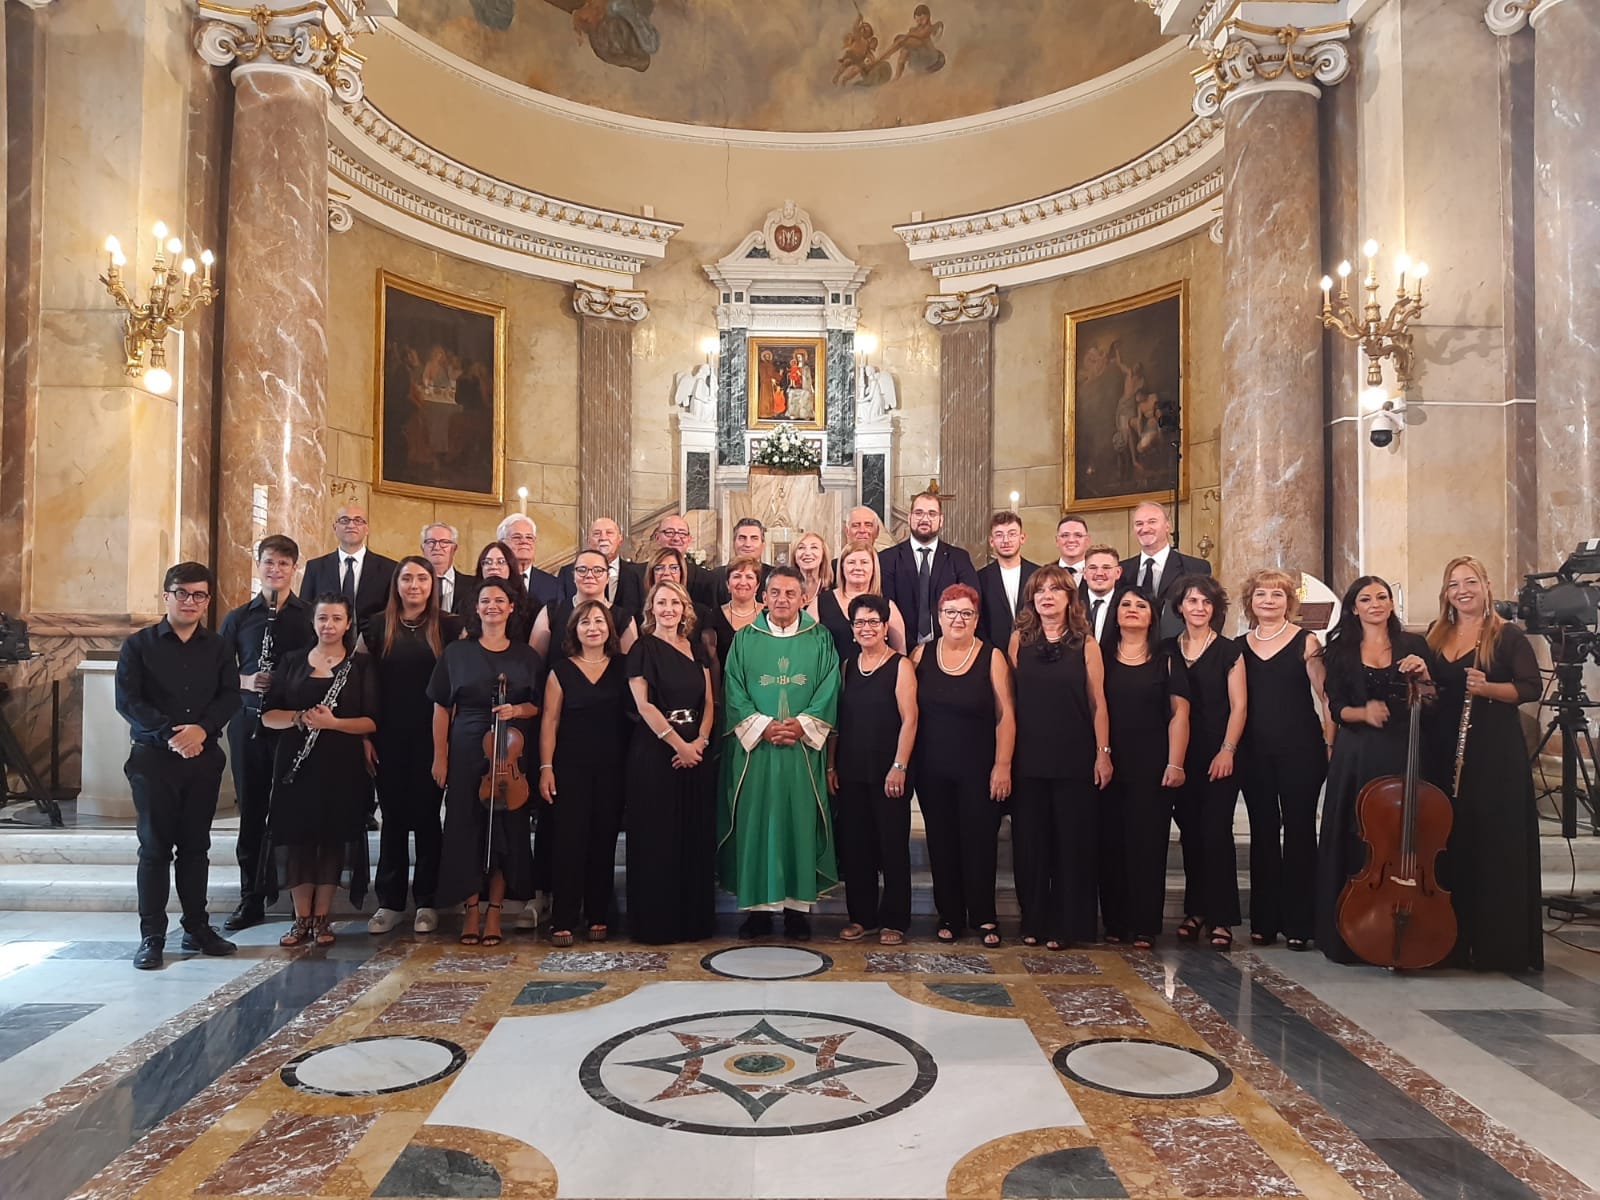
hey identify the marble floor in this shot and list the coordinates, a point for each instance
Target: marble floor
(413, 1067)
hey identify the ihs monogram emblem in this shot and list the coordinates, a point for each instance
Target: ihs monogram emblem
(785, 678)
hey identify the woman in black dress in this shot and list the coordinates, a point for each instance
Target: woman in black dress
(1369, 657)
(859, 575)
(743, 582)
(668, 565)
(1283, 760)
(1063, 755)
(672, 815)
(1205, 805)
(868, 757)
(1147, 699)
(584, 736)
(1493, 859)
(484, 850)
(498, 561)
(966, 733)
(326, 699)
(590, 573)
(404, 642)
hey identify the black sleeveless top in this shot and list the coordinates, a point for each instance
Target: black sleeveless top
(833, 619)
(1139, 705)
(1209, 705)
(869, 721)
(594, 716)
(1055, 728)
(1283, 714)
(955, 716)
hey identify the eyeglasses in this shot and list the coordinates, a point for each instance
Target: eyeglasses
(185, 596)
(924, 512)
(435, 543)
(866, 623)
(349, 522)
(958, 614)
(590, 572)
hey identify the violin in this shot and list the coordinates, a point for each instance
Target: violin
(1393, 913)
(504, 784)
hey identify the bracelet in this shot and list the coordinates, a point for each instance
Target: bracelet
(547, 766)
(662, 735)
(897, 767)
(1176, 767)
(1230, 747)
(1105, 749)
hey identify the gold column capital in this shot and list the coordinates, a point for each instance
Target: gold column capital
(613, 304)
(1247, 58)
(313, 36)
(954, 308)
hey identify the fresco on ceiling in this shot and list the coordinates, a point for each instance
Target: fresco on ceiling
(792, 65)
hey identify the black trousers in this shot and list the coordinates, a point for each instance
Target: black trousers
(1146, 816)
(1204, 811)
(580, 829)
(175, 799)
(874, 839)
(1055, 849)
(963, 826)
(250, 760)
(1113, 878)
(411, 804)
(1280, 794)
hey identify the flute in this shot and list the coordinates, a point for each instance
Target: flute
(1461, 733)
(264, 659)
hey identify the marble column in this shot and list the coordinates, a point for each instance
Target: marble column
(275, 280)
(1273, 483)
(965, 322)
(606, 317)
(1566, 264)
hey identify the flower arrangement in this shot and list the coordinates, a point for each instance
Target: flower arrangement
(785, 450)
(697, 556)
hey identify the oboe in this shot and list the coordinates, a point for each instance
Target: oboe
(264, 659)
(330, 700)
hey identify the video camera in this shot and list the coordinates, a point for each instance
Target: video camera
(14, 640)
(1562, 605)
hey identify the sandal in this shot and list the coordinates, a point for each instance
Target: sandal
(492, 939)
(470, 937)
(1112, 939)
(299, 933)
(1297, 943)
(1262, 939)
(324, 931)
(598, 933)
(1029, 940)
(890, 937)
(1054, 945)
(1221, 937)
(1189, 931)
(945, 933)
(853, 932)
(991, 936)
(1144, 942)
(561, 937)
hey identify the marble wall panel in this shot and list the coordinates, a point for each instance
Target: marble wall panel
(1339, 113)
(1516, 75)
(966, 423)
(733, 377)
(605, 418)
(841, 397)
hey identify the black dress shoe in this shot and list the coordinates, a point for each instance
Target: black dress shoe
(207, 941)
(148, 956)
(249, 912)
(796, 925)
(756, 925)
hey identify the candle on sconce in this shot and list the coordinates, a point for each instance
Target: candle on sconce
(1015, 496)
(522, 500)
(1402, 264)
(206, 259)
(1420, 273)
(1327, 288)
(866, 345)
(710, 347)
(1370, 250)
(113, 253)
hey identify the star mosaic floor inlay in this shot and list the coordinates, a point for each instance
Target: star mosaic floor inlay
(411, 1067)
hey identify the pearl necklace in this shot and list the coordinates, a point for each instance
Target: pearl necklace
(1270, 637)
(751, 612)
(938, 653)
(1211, 636)
(1133, 662)
(861, 668)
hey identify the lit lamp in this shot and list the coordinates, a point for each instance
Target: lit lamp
(710, 347)
(174, 294)
(866, 346)
(522, 498)
(1382, 335)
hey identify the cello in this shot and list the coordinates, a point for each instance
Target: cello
(1393, 913)
(504, 786)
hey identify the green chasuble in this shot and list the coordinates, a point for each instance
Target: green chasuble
(774, 831)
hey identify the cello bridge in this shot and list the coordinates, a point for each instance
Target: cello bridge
(1402, 882)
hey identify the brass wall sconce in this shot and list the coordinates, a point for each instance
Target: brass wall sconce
(173, 295)
(1382, 335)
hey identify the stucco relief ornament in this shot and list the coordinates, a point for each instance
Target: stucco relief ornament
(694, 394)
(318, 37)
(1256, 58)
(1506, 17)
(980, 304)
(340, 218)
(616, 304)
(879, 397)
(787, 233)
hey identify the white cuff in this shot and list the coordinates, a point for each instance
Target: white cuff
(749, 730)
(816, 732)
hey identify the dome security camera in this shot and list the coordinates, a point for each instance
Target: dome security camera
(1387, 423)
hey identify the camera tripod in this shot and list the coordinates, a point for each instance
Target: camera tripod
(14, 761)
(1571, 722)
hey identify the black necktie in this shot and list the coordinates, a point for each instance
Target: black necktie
(1094, 617)
(348, 586)
(924, 579)
(1148, 580)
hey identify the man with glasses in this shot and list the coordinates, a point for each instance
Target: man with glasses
(1102, 572)
(917, 570)
(355, 571)
(1072, 540)
(457, 589)
(1000, 582)
(673, 534)
(177, 686)
(520, 533)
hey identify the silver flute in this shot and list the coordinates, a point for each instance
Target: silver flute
(264, 659)
(331, 700)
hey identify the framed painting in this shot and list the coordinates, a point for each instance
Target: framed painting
(788, 382)
(1126, 364)
(439, 427)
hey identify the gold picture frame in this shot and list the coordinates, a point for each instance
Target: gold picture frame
(1122, 359)
(440, 394)
(779, 384)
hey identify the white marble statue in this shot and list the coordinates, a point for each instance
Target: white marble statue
(694, 393)
(878, 397)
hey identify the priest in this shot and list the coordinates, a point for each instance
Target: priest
(774, 835)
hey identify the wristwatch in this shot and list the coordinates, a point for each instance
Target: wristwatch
(899, 766)
(1105, 749)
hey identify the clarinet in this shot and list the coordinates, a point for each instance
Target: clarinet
(331, 700)
(1461, 733)
(264, 659)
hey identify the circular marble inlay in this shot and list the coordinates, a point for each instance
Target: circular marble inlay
(374, 1066)
(1141, 1068)
(758, 1073)
(767, 962)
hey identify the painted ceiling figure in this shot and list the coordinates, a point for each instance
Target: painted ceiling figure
(619, 31)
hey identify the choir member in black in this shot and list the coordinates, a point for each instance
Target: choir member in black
(484, 853)
(815, 562)
(671, 815)
(869, 756)
(259, 635)
(1493, 859)
(965, 737)
(1205, 803)
(498, 561)
(1063, 755)
(590, 573)
(326, 699)
(742, 582)
(583, 736)
(1147, 699)
(1369, 658)
(177, 685)
(858, 576)
(405, 642)
(668, 565)
(1283, 760)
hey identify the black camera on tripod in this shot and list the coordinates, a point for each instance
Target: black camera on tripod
(14, 640)
(1562, 606)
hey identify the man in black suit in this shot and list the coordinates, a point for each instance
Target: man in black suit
(1158, 567)
(625, 582)
(1072, 541)
(457, 589)
(1000, 581)
(917, 570)
(353, 570)
(673, 534)
(1100, 591)
(749, 541)
(520, 533)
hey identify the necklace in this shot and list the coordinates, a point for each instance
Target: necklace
(411, 625)
(599, 658)
(1269, 637)
(861, 664)
(938, 652)
(1133, 662)
(1211, 636)
(749, 612)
